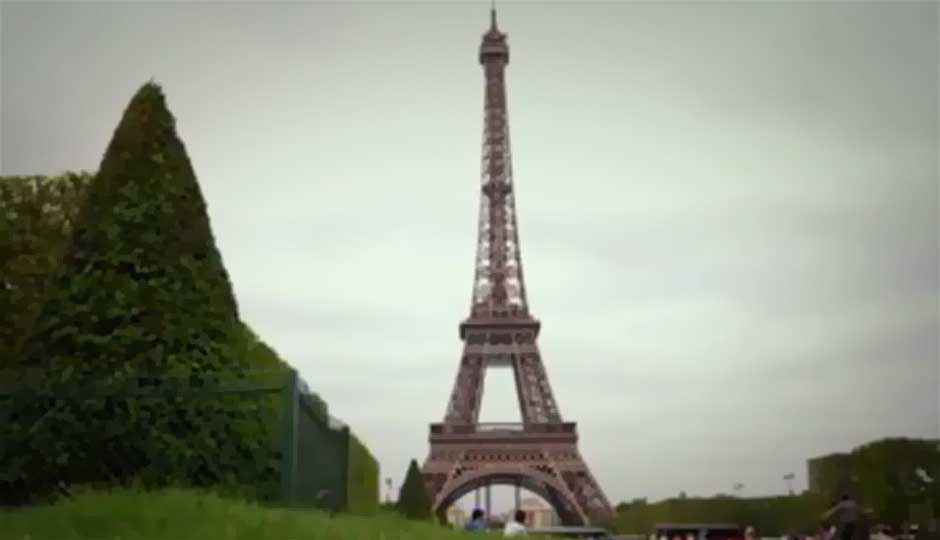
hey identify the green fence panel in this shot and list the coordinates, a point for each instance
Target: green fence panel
(321, 457)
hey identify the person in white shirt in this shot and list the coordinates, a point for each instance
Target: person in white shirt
(515, 527)
(750, 533)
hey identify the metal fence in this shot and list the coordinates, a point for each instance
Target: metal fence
(315, 452)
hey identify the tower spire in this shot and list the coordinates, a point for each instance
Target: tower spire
(498, 287)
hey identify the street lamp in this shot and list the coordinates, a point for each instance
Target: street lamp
(789, 478)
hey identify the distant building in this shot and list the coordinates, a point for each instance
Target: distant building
(538, 514)
(456, 516)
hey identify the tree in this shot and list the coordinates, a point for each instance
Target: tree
(37, 214)
(141, 298)
(413, 499)
(142, 287)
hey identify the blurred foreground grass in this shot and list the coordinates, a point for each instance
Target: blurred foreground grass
(183, 514)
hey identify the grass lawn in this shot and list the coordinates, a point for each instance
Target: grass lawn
(181, 515)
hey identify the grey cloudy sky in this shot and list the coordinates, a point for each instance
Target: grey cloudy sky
(728, 211)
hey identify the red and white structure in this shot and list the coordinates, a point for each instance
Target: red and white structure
(541, 453)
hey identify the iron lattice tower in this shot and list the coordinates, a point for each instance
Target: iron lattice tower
(541, 453)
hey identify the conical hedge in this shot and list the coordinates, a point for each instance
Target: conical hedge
(139, 310)
(142, 286)
(413, 499)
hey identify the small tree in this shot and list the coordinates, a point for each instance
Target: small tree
(413, 499)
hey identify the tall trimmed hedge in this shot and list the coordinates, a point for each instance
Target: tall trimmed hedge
(772, 516)
(142, 285)
(141, 293)
(362, 489)
(897, 478)
(115, 280)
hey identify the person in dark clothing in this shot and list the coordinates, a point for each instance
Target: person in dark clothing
(516, 527)
(477, 521)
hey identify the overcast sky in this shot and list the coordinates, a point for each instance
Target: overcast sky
(728, 211)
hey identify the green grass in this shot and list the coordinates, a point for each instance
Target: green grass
(183, 514)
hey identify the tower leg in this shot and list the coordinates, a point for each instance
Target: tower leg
(489, 501)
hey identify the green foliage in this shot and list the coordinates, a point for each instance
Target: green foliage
(141, 293)
(413, 499)
(142, 287)
(362, 479)
(255, 353)
(772, 516)
(884, 476)
(177, 432)
(624, 506)
(37, 216)
(190, 515)
(132, 326)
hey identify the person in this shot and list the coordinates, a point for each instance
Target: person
(882, 532)
(847, 510)
(823, 532)
(516, 526)
(477, 521)
(750, 533)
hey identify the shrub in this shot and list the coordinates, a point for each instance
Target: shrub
(413, 499)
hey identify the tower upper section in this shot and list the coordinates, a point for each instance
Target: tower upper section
(494, 47)
(498, 285)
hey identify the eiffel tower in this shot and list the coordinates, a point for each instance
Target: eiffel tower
(540, 453)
